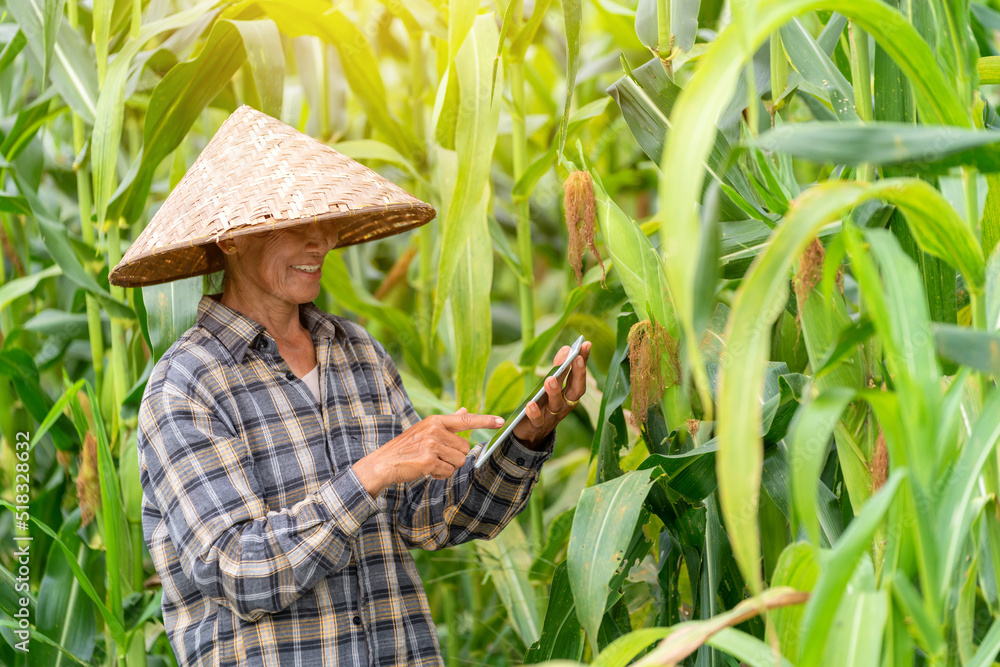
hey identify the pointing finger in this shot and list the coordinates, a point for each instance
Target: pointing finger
(464, 421)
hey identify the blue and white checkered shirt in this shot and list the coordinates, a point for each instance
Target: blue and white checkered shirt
(269, 549)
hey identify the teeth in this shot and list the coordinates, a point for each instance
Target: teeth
(311, 268)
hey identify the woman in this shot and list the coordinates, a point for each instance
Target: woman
(285, 471)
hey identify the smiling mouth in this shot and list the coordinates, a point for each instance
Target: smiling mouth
(308, 268)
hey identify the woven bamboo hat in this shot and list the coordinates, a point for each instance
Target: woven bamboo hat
(255, 175)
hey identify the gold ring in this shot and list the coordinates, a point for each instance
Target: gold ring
(550, 412)
(570, 403)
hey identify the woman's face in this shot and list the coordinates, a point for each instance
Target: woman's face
(278, 267)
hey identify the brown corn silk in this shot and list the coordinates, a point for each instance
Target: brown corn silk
(581, 209)
(654, 364)
(879, 465)
(88, 488)
(810, 272)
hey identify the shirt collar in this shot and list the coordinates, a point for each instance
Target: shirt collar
(237, 332)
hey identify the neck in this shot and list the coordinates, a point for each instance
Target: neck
(281, 320)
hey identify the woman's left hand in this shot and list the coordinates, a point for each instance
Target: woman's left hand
(558, 402)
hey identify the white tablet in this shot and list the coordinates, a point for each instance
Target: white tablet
(535, 395)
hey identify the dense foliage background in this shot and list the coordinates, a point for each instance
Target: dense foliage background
(787, 453)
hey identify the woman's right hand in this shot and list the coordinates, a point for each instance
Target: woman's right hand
(429, 447)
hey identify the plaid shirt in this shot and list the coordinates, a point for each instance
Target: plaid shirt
(269, 549)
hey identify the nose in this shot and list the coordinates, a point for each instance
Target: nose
(319, 237)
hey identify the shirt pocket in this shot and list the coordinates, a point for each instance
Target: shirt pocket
(362, 436)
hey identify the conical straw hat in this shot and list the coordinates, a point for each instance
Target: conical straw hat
(255, 175)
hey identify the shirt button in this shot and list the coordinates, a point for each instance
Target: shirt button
(520, 461)
(289, 376)
(356, 620)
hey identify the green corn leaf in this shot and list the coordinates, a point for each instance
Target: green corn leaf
(647, 98)
(562, 637)
(528, 32)
(908, 347)
(646, 28)
(470, 303)
(337, 280)
(475, 137)
(115, 530)
(461, 18)
(622, 651)
(988, 69)
(20, 368)
(529, 178)
(746, 648)
(30, 119)
(177, 101)
(504, 389)
(811, 61)
(762, 297)
(742, 240)
(955, 511)
(73, 73)
(838, 567)
(102, 18)
(812, 429)
(684, 22)
(691, 474)
(798, 567)
(916, 148)
(40, 21)
(683, 25)
(19, 287)
(694, 135)
(361, 68)
(690, 635)
(531, 356)
(926, 631)
(859, 624)
(114, 624)
(64, 612)
(573, 21)
(106, 139)
(602, 529)
(969, 347)
(56, 241)
(636, 262)
(45, 639)
(371, 149)
(988, 648)
(992, 291)
(844, 347)
(506, 560)
(559, 529)
(51, 322)
(12, 49)
(266, 59)
(171, 309)
(616, 390)
(55, 413)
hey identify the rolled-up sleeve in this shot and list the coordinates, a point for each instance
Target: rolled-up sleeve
(474, 503)
(199, 473)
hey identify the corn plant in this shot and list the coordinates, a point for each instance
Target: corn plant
(881, 551)
(103, 106)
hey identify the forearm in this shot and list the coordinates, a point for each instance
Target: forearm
(475, 503)
(297, 546)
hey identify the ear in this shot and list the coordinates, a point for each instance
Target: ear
(228, 246)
